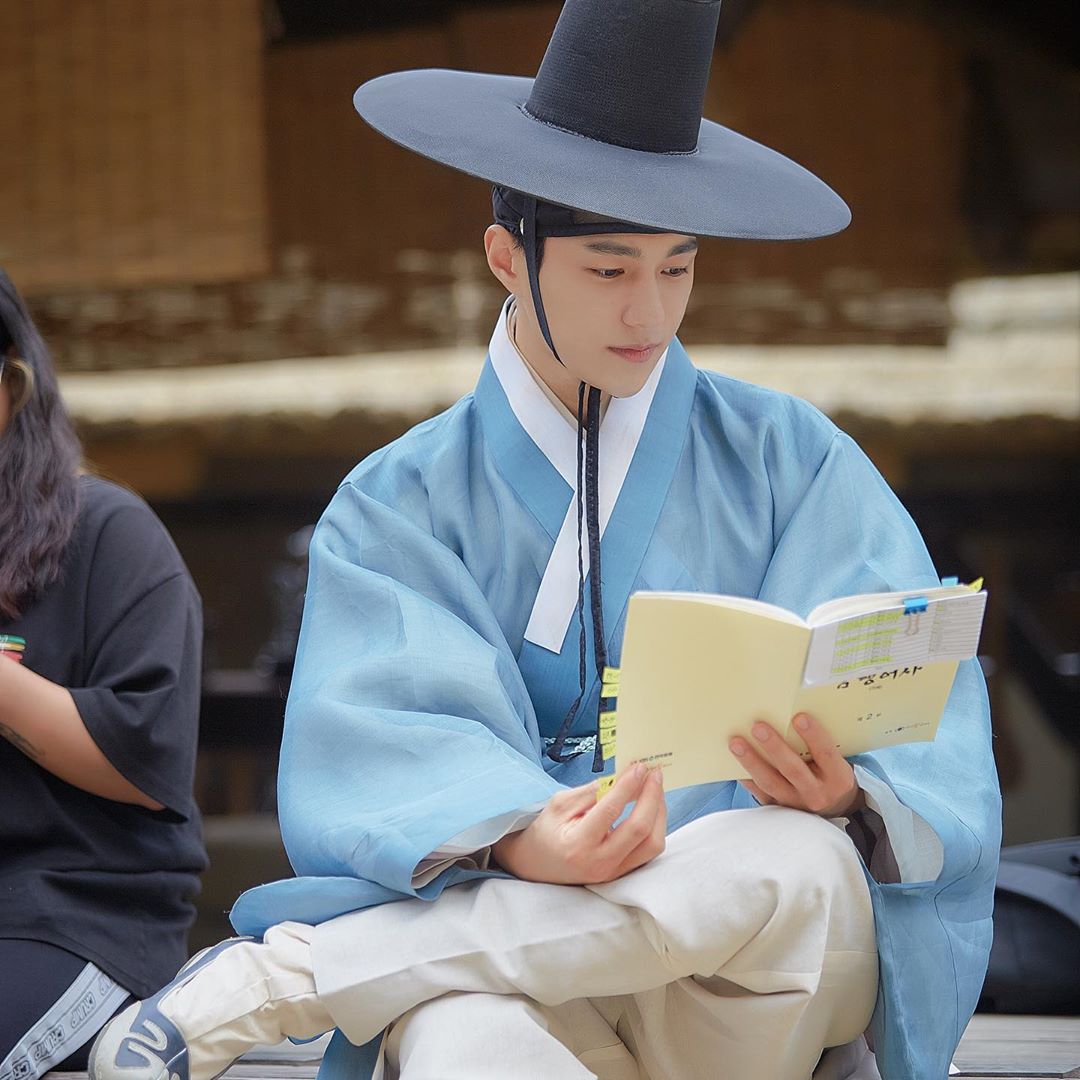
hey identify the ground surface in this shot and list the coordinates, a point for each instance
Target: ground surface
(993, 1048)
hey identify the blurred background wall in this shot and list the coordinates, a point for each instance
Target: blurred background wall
(247, 291)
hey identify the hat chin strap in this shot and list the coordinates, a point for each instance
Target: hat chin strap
(588, 460)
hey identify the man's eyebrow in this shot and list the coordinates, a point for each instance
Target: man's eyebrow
(684, 248)
(613, 247)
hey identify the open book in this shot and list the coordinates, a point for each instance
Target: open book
(697, 669)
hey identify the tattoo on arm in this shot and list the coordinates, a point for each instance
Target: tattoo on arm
(20, 742)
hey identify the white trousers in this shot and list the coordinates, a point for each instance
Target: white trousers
(741, 952)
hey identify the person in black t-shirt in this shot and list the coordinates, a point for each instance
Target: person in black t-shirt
(100, 641)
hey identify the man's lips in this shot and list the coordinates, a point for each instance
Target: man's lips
(635, 354)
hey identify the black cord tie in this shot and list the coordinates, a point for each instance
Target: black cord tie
(555, 751)
(588, 502)
(592, 522)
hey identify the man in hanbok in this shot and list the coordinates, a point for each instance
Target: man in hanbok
(467, 904)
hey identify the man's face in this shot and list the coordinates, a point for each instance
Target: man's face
(613, 303)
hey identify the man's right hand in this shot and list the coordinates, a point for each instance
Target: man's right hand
(574, 840)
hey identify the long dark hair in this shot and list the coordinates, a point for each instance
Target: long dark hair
(40, 457)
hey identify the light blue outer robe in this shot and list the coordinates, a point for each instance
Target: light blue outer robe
(417, 707)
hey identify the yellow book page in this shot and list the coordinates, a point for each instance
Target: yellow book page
(693, 674)
(898, 704)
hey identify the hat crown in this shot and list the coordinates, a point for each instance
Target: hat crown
(631, 73)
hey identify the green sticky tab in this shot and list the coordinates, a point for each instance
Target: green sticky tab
(605, 785)
(607, 719)
(609, 750)
(607, 736)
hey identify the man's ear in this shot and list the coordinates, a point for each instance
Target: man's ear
(501, 257)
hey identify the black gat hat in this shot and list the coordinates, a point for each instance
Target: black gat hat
(611, 125)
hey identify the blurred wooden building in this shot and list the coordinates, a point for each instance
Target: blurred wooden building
(247, 290)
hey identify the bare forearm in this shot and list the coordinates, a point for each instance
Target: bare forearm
(39, 718)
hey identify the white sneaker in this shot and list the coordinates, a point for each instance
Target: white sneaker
(224, 1001)
(142, 1043)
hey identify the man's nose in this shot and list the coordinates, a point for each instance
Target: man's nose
(646, 307)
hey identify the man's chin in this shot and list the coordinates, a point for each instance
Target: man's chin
(628, 385)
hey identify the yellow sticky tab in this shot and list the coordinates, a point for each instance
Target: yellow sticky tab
(605, 785)
(976, 585)
(607, 719)
(607, 736)
(610, 680)
(608, 750)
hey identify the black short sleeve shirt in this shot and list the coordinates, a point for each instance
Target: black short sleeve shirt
(122, 630)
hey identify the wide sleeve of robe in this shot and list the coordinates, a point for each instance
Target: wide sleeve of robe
(845, 533)
(408, 720)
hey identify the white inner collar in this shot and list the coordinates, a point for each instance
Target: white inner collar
(554, 431)
(569, 416)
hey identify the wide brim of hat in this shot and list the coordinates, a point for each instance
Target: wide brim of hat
(730, 186)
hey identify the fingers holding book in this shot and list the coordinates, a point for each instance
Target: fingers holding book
(823, 785)
(578, 839)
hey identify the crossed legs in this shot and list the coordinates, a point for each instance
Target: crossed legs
(743, 950)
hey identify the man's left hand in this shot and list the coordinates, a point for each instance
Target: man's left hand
(824, 785)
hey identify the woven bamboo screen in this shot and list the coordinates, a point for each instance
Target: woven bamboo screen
(133, 142)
